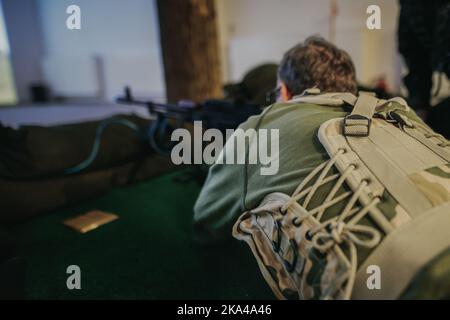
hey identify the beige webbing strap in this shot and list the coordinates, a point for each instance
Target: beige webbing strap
(402, 254)
(394, 179)
(347, 97)
(358, 123)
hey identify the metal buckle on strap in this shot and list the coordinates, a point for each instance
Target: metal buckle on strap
(356, 125)
(401, 120)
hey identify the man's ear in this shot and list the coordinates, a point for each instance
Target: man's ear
(285, 94)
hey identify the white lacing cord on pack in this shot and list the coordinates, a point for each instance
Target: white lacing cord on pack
(329, 234)
(444, 143)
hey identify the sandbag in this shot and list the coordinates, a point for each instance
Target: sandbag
(36, 151)
(34, 162)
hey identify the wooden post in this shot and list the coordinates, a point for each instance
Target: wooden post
(190, 49)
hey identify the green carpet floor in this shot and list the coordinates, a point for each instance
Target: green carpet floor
(147, 254)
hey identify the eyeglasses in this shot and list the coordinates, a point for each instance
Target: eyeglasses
(273, 95)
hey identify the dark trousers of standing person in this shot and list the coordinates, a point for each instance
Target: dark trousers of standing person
(424, 36)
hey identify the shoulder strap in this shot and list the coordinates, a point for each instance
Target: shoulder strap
(359, 121)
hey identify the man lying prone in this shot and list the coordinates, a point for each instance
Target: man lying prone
(362, 189)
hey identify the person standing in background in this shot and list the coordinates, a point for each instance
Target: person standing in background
(424, 43)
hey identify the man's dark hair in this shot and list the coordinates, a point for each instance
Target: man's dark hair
(317, 63)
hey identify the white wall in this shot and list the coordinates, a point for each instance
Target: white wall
(7, 86)
(124, 35)
(374, 51)
(257, 31)
(23, 27)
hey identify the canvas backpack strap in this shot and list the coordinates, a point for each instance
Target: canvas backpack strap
(357, 124)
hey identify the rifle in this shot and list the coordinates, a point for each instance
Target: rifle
(217, 114)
